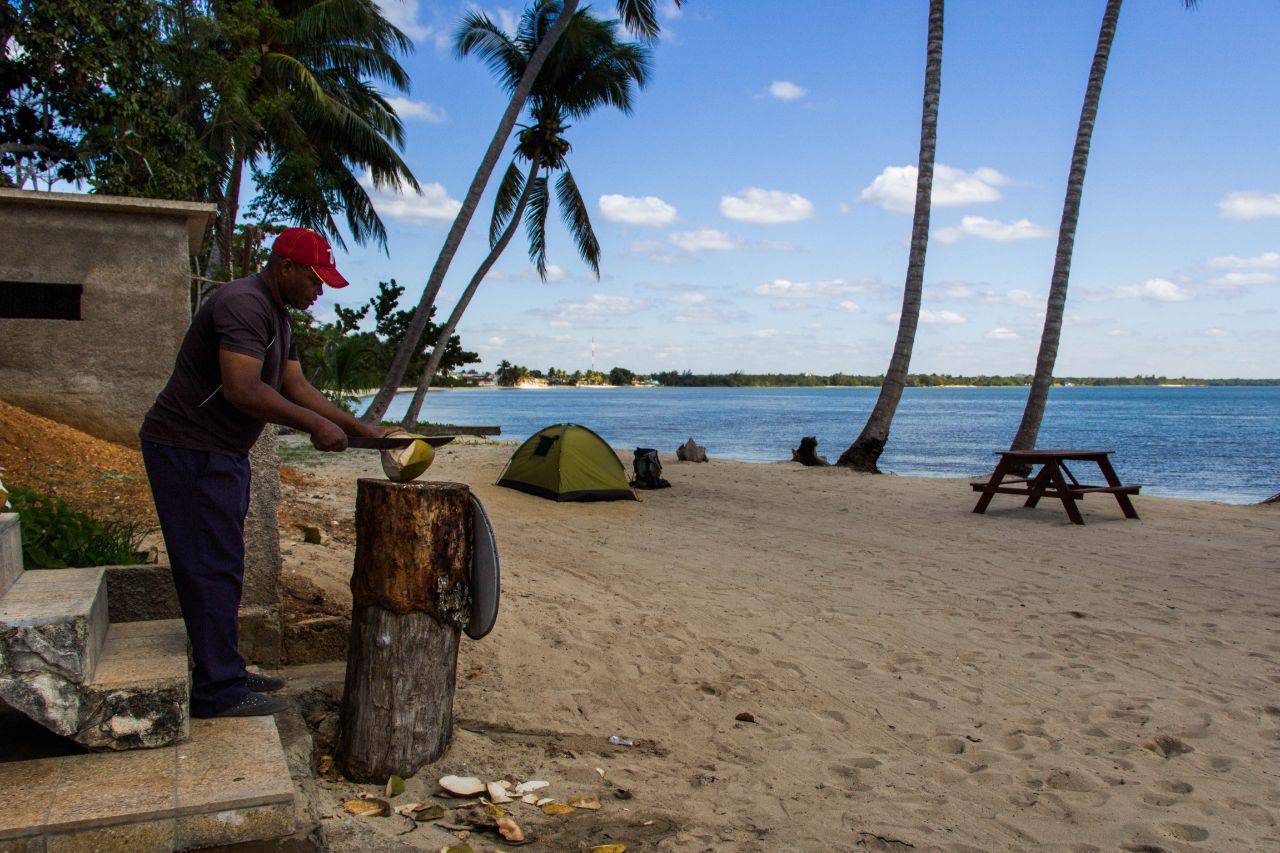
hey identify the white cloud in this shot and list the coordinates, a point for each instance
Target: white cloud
(765, 333)
(1267, 260)
(496, 341)
(965, 292)
(1024, 299)
(597, 308)
(648, 210)
(699, 309)
(1252, 204)
(932, 318)
(894, 189)
(766, 206)
(992, 229)
(669, 10)
(781, 288)
(1215, 332)
(406, 108)
(404, 14)
(1000, 333)
(510, 19)
(849, 306)
(555, 272)
(704, 238)
(941, 318)
(433, 203)
(785, 90)
(1154, 289)
(690, 299)
(1245, 279)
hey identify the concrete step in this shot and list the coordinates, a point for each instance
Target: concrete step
(105, 686)
(10, 550)
(139, 694)
(53, 624)
(229, 784)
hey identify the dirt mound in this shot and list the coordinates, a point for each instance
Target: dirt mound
(92, 475)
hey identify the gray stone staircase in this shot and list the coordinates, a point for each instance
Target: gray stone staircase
(152, 780)
(108, 687)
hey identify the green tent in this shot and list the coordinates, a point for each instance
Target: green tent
(567, 462)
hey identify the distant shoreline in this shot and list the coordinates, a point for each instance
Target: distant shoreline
(1246, 383)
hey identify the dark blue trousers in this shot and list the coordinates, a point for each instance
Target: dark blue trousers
(201, 499)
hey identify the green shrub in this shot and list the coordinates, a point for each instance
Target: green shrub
(54, 536)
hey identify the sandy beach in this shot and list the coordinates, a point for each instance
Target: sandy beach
(920, 677)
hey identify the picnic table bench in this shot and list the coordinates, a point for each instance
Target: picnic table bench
(1054, 480)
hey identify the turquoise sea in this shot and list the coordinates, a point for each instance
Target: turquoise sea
(1205, 443)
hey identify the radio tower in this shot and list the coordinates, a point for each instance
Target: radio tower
(593, 353)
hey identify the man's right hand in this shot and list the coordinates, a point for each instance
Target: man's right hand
(328, 436)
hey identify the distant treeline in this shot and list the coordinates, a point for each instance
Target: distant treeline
(689, 379)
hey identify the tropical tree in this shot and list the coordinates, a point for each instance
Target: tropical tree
(296, 92)
(638, 17)
(589, 68)
(104, 118)
(1038, 396)
(866, 449)
(509, 374)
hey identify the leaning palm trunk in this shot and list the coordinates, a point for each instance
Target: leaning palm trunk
(400, 364)
(442, 339)
(1033, 414)
(864, 452)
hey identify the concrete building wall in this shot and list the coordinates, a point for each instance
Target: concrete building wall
(102, 372)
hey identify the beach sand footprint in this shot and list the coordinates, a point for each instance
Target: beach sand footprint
(1165, 794)
(1186, 832)
(1167, 746)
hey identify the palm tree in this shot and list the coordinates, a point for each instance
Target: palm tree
(638, 17)
(1038, 397)
(865, 451)
(589, 68)
(296, 91)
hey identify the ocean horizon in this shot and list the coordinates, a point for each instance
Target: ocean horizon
(1216, 443)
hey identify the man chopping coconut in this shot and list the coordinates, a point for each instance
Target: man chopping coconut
(236, 371)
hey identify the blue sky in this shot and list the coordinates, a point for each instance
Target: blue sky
(755, 208)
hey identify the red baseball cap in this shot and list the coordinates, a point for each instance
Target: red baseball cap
(304, 246)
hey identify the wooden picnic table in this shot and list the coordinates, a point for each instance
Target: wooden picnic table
(1054, 479)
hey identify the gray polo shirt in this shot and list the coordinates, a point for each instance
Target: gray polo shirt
(191, 411)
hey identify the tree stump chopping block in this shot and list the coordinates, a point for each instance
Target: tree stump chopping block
(410, 599)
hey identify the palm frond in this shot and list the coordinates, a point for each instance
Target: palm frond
(577, 219)
(535, 225)
(481, 36)
(504, 205)
(640, 18)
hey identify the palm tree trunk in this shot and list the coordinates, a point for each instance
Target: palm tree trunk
(231, 207)
(399, 364)
(1033, 413)
(863, 453)
(446, 332)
